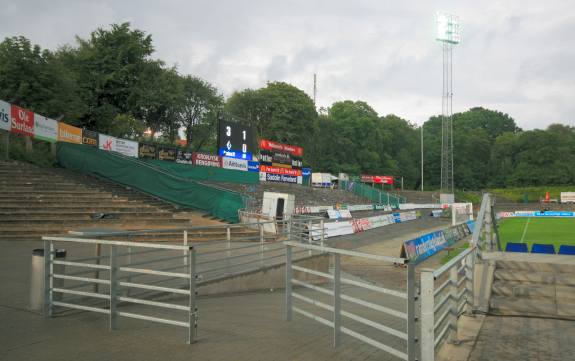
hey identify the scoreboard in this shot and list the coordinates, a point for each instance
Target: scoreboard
(235, 140)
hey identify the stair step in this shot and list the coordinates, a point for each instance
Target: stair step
(75, 216)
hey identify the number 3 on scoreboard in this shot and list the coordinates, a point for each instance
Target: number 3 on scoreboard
(228, 131)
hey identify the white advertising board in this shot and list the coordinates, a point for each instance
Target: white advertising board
(567, 197)
(235, 164)
(127, 147)
(45, 128)
(4, 115)
(106, 142)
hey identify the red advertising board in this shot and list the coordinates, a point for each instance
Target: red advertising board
(377, 179)
(282, 171)
(270, 145)
(207, 160)
(22, 121)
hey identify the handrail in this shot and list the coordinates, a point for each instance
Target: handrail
(345, 252)
(119, 243)
(438, 272)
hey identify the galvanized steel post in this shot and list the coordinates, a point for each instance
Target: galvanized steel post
(427, 315)
(262, 245)
(336, 301)
(453, 303)
(322, 225)
(229, 247)
(185, 243)
(193, 311)
(288, 283)
(113, 286)
(411, 317)
(47, 308)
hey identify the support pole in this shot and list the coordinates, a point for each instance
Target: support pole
(336, 300)
(427, 315)
(288, 283)
(453, 303)
(185, 243)
(262, 245)
(48, 266)
(113, 287)
(411, 296)
(193, 310)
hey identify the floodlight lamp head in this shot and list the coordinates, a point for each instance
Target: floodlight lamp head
(448, 30)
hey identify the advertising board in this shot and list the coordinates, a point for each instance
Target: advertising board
(21, 120)
(253, 166)
(5, 115)
(147, 151)
(106, 142)
(377, 179)
(89, 137)
(69, 133)
(206, 160)
(236, 164)
(271, 177)
(45, 128)
(167, 153)
(567, 197)
(282, 148)
(306, 172)
(278, 170)
(127, 147)
(184, 157)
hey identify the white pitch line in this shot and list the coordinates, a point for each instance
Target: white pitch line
(525, 229)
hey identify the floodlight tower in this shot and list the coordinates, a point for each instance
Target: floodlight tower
(448, 35)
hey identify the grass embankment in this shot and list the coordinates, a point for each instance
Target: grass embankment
(41, 154)
(534, 194)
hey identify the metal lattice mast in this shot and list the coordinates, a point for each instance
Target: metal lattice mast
(448, 35)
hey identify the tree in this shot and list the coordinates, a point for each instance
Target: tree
(34, 78)
(200, 104)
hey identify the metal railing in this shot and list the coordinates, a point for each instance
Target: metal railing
(307, 229)
(122, 264)
(396, 332)
(445, 293)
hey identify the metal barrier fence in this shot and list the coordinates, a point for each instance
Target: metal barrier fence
(307, 229)
(397, 319)
(443, 303)
(122, 264)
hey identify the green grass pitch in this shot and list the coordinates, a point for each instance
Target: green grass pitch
(556, 231)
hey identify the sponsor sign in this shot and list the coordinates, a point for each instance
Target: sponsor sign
(270, 177)
(567, 197)
(5, 112)
(146, 151)
(184, 157)
(253, 166)
(167, 153)
(21, 121)
(335, 214)
(106, 142)
(284, 148)
(235, 154)
(206, 160)
(425, 246)
(127, 147)
(70, 134)
(278, 170)
(236, 164)
(89, 137)
(45, 128)
(306, 172)
(377, 179)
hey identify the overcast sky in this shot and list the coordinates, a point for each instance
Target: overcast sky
(516, 56)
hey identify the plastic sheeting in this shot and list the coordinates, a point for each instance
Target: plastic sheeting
(150, 179)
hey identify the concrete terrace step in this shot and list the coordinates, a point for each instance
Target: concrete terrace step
(111, 203)
(78, 221)
(45, 216)
(77, 210)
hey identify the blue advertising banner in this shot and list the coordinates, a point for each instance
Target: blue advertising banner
(421, 248)
(306, 172)
(253, 166)
(223, 152)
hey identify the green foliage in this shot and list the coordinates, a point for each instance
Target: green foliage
(466, 196)
(534, 194)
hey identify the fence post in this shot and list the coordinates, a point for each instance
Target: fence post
(411, 295)
(288, 283)
(453, 308)
(469, 274)
(336, 300)
(47, 308)
(193, 311)
(309, 238)
(322, 225)
(262, 245)
(229, 247)
(113, 286)
(427, 315)
(185, 243)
